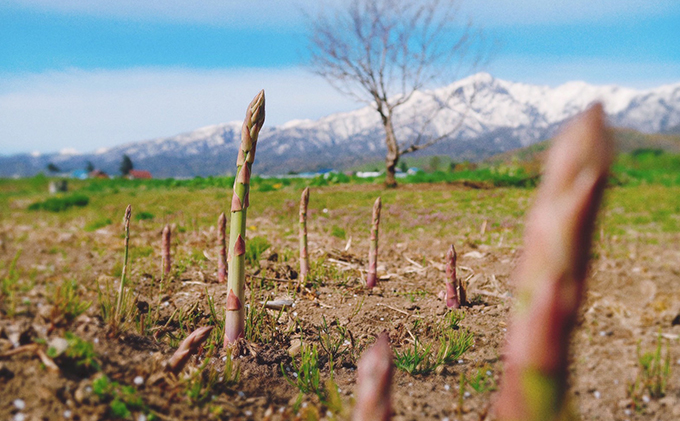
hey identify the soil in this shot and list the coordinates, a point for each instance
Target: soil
(632, 298)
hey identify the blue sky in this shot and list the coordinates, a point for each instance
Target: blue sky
(87, 74)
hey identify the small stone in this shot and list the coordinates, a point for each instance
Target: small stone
(19, 404)
(139, 380)
(141, 417)
(295, 346)
(83, 392)
(19, 417)
(597, 394)
(57, 346)
(68, 414)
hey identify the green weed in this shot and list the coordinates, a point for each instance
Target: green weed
(205, 381)
(423, 359)
(482, 381)
(68, 302)
(260, 323)
(654, 372)
(60, 204)
(97, 224)
(10, 286)
(121, 399)
(144, 216)
(79, 355)
(254, 248)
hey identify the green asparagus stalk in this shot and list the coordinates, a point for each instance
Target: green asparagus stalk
(121, 289)
(235, 314)
(374, 380)
(167, 263)
(551, 275)
(371, 277)
(222, 242)
(304, 255)
(452, 284)
(187, 348)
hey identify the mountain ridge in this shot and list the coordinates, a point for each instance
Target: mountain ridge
(497, 116)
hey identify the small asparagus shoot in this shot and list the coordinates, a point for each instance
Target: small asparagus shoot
(452, 284)
(222, 244)
(550, 276)
(372, 276)
(304, 256)
(234, 323)
(187, 348)
(167, 263)
(374, 380)
(121, 290)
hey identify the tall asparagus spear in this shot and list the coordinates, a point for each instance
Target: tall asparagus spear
(235, 317)
(167, 263)
(304, 256)
(374, 380)
(121, 289)
(222, 243)
(371, 277)
(452, 299)
(551, 274)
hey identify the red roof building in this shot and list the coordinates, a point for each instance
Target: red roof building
(139, 174)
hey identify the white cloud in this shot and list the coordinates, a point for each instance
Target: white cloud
(288, 12)
(91, 110)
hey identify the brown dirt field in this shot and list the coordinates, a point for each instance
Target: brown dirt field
(633, 295)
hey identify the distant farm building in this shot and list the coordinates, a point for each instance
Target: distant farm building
(98, 174)
(139, 175)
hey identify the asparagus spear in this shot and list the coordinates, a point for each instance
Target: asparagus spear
(222, 242)
(167, 264)
(452, 298)
(121, 290)
(371, 277)
(551, 274)
(304, 256)
(187, 348)
(374, 380)
(235, 314)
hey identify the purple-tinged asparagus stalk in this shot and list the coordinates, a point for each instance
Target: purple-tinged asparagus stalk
(304, 254)
(187, 348)
(222, 243)
(121, 289)
(234, 322)
(452, 299)
(167, 262)
(374, 380)
(551, 274)
(372, 275)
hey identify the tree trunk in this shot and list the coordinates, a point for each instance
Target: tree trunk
(392, 157)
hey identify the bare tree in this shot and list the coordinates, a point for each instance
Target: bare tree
(383, 52)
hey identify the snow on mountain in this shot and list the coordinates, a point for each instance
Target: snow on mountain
(481, 116)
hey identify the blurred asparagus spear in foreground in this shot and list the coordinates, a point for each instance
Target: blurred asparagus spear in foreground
(374, 380)
(234, 323)
(304, 254)
(372, 276)
(551, 274)
(187, 348)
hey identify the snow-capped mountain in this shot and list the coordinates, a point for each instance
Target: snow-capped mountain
(480, 115)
